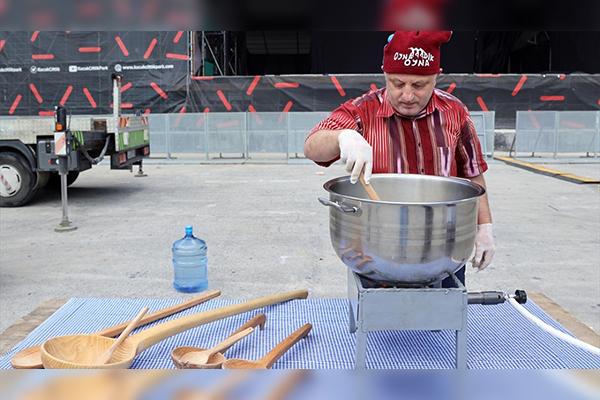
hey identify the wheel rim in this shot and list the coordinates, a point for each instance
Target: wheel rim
(10, 181)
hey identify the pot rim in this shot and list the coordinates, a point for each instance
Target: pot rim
(463, 181)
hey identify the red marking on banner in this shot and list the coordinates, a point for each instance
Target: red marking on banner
(482, 103)
(150, 48)
(451, 88)
(224, 99)
(122, 46)
(15, 104)
(90, 49)
(489, 75)
(373, 87)
(2, 43)
(126, 86)
(36, 94)
(177, 56)
(88, 95)
(34, 36)
(206, 109)
(288, 106)
(552, 98)
(66, 95)
(147, 111)
(253, 85)
(533, 120)
(519, 85)
(203, 78)
(598, 102)
(182, 110)
(286, 85)
(562, 77)
(257, 117)
(158, 90)
(126, 105)
(573, 124)
(49, 113)
(42, 56)
(337, 85)
(228, 124)
(177, 36)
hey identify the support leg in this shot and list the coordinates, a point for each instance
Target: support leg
(461, 349)
(361, 350)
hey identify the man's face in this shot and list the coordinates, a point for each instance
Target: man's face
(409, 94)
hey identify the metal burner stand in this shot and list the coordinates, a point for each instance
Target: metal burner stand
(423, 308)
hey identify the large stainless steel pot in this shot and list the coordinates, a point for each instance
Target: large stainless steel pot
(422, 229)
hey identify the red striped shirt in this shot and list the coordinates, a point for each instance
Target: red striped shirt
(441, 140)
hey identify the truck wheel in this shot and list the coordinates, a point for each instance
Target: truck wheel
(54, 180)
(17, 180)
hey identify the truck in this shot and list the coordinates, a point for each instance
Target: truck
(28, 150)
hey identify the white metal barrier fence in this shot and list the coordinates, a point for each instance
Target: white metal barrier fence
(557, 133)
(260, 135)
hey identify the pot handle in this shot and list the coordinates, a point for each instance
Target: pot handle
(340, 207)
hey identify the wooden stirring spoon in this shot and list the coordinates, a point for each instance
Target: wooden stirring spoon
(31, 357)
(202, 357)
(179, 353)
(368, 188)
(81, 351)
(105, 357)
(271, 357)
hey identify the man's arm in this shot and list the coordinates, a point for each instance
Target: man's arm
(484, 214)
(322, 146)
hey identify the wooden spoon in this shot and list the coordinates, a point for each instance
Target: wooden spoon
(368, 188)
(269, 359)
(200, 358)
(105, 357)
(178, 353)
(31, 357)
(82, 351)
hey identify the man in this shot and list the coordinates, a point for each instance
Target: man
(408, 127)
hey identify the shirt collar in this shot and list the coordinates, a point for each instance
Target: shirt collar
(386, 110)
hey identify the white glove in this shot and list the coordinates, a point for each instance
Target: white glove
(484, 247)
(357, 153)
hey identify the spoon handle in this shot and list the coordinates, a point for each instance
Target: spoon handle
(103, 359)
(230, 341)
(368, 188)
(283, 346)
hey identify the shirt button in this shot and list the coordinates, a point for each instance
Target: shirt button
(419, 144)
(422, 170)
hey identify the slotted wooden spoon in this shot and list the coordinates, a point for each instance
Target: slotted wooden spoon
(81, 351)
(31, 357)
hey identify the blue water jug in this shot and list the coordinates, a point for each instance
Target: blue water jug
(190, 263)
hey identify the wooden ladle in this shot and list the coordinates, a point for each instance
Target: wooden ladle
(183, 356)
(31, 357)
(210, 357)
(82, 351)
(271, 357)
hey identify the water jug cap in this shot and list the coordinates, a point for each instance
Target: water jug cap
(188, 230)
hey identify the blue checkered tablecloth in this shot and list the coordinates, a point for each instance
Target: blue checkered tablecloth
(498, 336)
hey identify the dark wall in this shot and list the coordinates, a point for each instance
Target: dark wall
(467, 52)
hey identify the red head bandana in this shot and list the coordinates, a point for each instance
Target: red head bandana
(414, 52)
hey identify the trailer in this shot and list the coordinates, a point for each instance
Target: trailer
(29, 151)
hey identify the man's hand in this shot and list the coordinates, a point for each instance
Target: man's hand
(484, 247)
(357, 153)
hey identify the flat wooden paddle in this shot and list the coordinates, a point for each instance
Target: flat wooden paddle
(31, 357)
(81, 351)
(271, 357)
